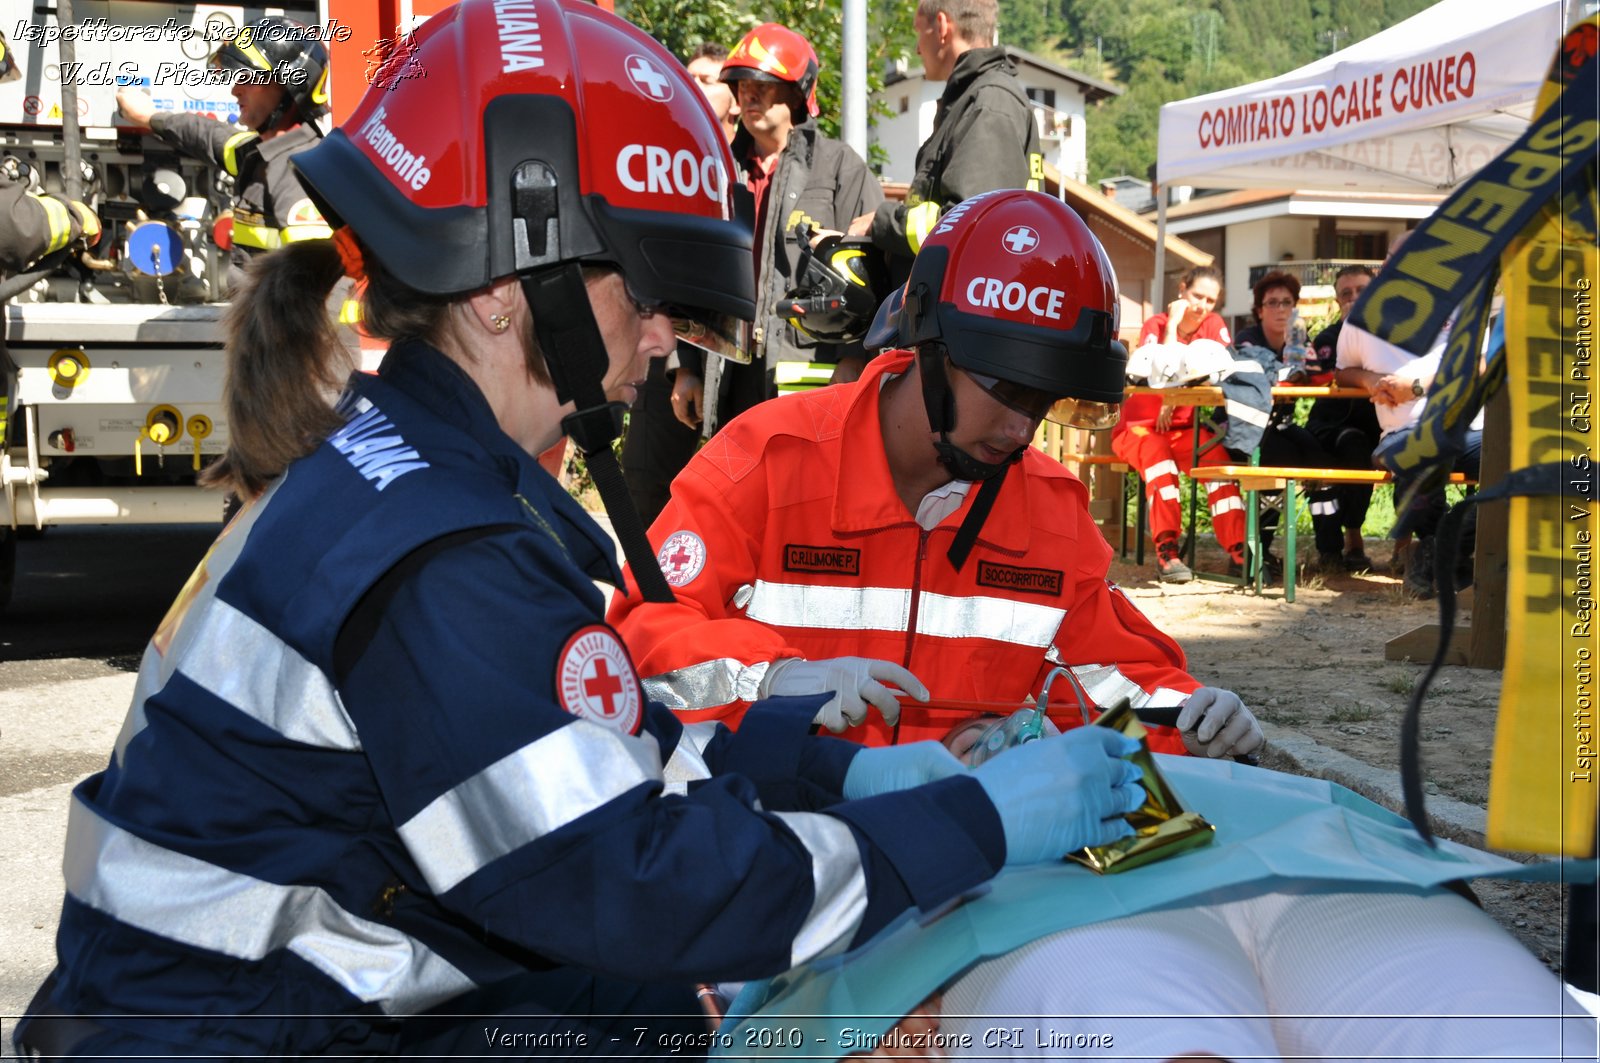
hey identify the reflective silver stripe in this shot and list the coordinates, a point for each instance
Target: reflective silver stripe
(840, 884)
(982, 617)
(707, 684)
(250, 668)
(525, 795)
(1247, 414)
(1330, 506)
(149, 681)
(1168, 492)
(207, 907)
(1167, 467)
(836, 608)
(889, 609)
(1226, 505)
(1105, 685)
(688, 761)
(154, 668)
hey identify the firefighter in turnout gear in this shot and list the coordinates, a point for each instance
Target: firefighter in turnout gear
(790, 180)
(904, 526)
(386, 765)
(280, 78)
(33, 225)
(984, 137)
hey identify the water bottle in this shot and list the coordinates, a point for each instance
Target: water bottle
(1294, 351)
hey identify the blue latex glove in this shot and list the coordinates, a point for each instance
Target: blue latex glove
(889, 768)
(1059, 794)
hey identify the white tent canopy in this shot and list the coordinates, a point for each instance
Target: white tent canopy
(1418, 107)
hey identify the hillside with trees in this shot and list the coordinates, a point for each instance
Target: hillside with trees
(1164, 50)
(1155, 50)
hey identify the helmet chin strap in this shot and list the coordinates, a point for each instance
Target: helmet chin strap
(271, 121)
(578, 361)
(941, 407)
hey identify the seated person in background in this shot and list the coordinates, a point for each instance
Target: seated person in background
(1158, 438)
(945, 551)
(1284, 442)
(1346, 428)
(1399, 382)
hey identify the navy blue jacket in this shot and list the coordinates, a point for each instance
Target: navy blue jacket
(384, 751)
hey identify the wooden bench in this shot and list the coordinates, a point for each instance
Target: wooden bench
(1256, 478)
(1113, 464)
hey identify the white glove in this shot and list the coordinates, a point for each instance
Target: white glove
(1215, 723)
(853, 681)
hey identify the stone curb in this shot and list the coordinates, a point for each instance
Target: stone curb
(1288, 750)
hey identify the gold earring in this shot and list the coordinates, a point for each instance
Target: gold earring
(501, 322)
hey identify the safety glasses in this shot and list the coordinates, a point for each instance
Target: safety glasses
(1039, 405)
(723, 335)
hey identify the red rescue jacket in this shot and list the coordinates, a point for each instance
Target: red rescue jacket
(784, 537)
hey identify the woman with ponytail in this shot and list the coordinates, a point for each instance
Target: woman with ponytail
(386, 766)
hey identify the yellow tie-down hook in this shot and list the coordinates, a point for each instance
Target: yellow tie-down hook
(199, 427)
(163, 425)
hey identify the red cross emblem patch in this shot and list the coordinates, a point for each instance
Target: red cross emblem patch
(681, 557)
(595, 679)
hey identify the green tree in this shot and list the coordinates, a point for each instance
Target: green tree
(1166, 50)
(682, 25)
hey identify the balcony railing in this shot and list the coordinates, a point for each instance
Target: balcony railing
(1313, 270)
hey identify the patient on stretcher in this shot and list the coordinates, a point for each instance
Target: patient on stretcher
(1290, 967)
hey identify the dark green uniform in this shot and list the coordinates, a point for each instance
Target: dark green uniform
(984, 138)
(270, 206)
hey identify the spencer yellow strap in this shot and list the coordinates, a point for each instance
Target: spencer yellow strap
(1542, 789)
(1542, 784)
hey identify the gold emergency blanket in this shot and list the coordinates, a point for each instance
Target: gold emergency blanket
(1161, 826)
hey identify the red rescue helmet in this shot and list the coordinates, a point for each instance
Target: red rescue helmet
(530, 141)
(774, 52)
(293, 54)
(1020, 294)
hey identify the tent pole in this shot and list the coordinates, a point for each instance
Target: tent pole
(1158, 286)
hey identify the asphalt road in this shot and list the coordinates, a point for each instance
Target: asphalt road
(96, 590)
(87, 599)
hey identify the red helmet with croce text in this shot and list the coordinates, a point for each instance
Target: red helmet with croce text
(533, 139)
(774, 52)
(1014, 286)
(506, 142)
